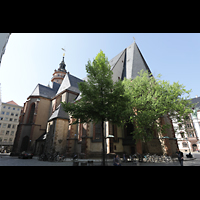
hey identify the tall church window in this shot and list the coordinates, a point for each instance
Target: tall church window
(82, 130)
(97, 131)
(31, 114)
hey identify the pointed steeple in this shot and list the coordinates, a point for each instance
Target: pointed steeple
(62, 66)
(59, 74)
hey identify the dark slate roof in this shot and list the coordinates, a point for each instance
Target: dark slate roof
(45, 91)
(55, 86)
(196, 100)
(128, 63)
(70, 82)
(59, 113)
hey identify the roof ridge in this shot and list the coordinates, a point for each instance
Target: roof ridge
(118, 58)
(143, 58)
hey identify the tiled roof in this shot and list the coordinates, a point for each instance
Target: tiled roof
(12, 102)
(45, 91)
(128, 63)
(70, 82)
(59, 113)
(196, 100)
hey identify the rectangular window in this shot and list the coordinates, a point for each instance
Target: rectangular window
(13, 108)
(7, 113)
(97, 131)
(2, 132)
(7, 132)
(4, 125)
(2, 112)
(1, 118)
(12, 114)
(13, 126)
(9, 125)
(11, 119)
(12, 133)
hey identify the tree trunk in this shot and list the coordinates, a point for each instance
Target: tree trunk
(103, 138)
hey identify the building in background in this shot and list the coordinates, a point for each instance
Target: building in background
(3, 42)
(9, 120)
(188, 135)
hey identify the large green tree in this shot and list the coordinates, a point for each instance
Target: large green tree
(150, 99)
(101, 98)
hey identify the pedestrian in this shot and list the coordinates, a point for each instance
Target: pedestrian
(180, 156)
(116, 161)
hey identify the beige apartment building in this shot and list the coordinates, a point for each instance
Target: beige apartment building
(9, 120)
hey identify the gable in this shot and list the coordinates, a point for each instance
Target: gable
(70, 82)
(43, 91)
(128, 63)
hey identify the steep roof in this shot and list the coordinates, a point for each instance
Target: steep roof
(70, 82)
(59, 113)
(44, 91)
(196, 100)
(128, 63)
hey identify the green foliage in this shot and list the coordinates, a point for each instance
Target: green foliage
(153, 99)
(142, 101)
(101, 99)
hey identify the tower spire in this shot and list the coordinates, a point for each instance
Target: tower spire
(60, 73)
(63, 53)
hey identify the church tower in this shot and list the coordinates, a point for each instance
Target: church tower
(59, 74)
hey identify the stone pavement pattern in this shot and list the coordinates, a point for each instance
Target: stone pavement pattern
(6, 160)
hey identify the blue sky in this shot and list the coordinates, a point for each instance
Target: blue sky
(30, 59)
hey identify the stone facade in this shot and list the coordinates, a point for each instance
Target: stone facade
(45, 127)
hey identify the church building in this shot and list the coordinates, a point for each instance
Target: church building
(45, 127)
